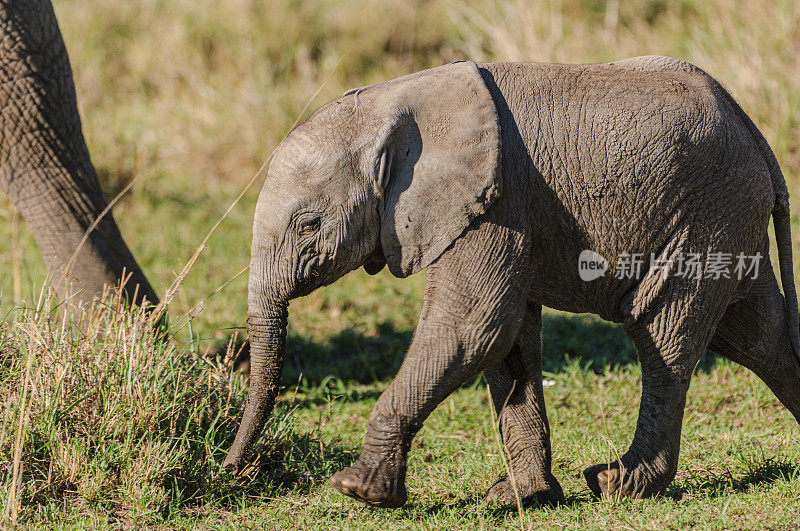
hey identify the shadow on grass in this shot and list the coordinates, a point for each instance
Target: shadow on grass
(350, 357)
(498, 512)
(345, 358)
(597, 345)
(763, 471)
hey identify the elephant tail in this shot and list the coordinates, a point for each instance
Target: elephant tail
(781, 219)
(783, 237)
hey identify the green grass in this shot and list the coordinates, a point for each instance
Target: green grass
(189, 98)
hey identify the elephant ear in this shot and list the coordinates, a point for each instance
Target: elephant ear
(436, 160)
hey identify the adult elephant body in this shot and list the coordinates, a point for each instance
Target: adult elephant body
(497, 177)
(45, 167)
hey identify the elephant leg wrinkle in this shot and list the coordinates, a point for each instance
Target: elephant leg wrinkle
(448, 349)
(515, 384)
(670, 337)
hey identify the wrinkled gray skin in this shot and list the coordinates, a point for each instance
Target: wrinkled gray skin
(496, 177)
(45, 167)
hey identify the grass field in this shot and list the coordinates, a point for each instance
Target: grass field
(189, 98)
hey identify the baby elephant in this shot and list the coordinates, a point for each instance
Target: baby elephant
(636, 190)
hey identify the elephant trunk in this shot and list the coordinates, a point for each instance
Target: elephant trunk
(267, 330)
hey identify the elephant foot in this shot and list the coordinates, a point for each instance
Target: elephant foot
(385, 489)
(613, 480)
(531, 493)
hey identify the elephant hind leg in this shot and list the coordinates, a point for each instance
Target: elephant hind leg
(754, 333)
(670, 337)
(516, 387)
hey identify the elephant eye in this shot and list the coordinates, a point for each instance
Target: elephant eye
(309, 226)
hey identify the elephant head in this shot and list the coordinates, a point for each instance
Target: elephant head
(388, 174)
(44, 164)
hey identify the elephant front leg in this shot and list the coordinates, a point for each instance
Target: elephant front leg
(516, 387)
(474, 298)
(379, 476)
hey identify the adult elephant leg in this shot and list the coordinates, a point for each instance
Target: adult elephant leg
(45, 167)
(754, 332)
(474, 298)
(516, 387)
(670, 336)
